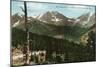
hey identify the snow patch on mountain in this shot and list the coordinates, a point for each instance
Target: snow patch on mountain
(38, 17)
(88, 19)
(16, 23)
(77, 20)
(56, 19)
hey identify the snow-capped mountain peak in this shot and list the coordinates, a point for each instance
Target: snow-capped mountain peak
(87, 19)
(89, 16)
(53, 17)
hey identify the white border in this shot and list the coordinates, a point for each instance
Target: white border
(5, 33)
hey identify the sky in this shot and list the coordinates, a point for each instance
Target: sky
(35, 9)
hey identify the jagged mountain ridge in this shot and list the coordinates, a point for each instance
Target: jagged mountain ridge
(62, 30)
(55, 18)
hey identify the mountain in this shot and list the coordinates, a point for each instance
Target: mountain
(56, 25)
(87, 20)
(55, 18)
(15, 18)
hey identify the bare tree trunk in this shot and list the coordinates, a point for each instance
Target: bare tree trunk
(27, 35)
